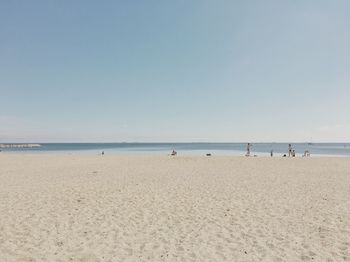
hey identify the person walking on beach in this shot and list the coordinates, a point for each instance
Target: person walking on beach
(290, 150)
(248, 149)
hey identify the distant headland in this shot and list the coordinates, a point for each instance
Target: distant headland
(19, 145)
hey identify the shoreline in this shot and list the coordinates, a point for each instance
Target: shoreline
(192, 149)
(164, 154)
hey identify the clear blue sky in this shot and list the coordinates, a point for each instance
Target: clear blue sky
(174, 70)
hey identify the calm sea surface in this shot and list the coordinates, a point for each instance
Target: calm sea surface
(260, 149)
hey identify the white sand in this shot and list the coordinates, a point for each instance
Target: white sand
(136, 208)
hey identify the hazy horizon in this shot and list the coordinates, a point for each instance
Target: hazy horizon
(153, 71)
(174, 142)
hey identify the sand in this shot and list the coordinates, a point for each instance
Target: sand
(155, 208)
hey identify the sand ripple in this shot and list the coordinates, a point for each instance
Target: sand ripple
(114, 208)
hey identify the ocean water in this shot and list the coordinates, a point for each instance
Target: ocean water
(259, 149)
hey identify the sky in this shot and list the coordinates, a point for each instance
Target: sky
(174, 71)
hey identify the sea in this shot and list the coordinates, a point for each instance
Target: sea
(197, 149)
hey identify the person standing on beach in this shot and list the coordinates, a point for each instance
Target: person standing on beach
(248, 149)
(290, 150)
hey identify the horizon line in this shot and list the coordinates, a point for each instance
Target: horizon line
(179, 142)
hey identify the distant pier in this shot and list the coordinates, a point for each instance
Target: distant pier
(19, 145)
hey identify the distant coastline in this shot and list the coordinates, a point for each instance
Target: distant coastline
(19, 145)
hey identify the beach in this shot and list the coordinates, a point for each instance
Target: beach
(184, 208)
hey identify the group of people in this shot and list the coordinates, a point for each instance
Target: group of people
(291, 151)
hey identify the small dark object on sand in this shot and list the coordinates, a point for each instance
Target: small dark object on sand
(208, 154)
